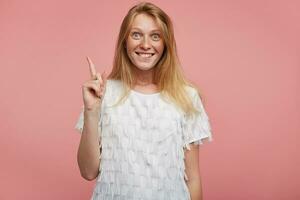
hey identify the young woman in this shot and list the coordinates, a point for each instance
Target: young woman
(142, 124)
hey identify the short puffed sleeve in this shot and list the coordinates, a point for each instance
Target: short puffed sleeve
(197, 127)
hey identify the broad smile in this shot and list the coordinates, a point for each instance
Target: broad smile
(144, 55)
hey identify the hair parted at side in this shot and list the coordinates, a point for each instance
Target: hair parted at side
(167, 73)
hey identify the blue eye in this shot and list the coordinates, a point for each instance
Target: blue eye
(136, 35)
(156, 37)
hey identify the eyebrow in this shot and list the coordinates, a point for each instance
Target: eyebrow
(154, 30)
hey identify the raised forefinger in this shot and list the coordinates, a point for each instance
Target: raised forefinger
(92, 68)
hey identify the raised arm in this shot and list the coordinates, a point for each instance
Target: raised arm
(88, 155)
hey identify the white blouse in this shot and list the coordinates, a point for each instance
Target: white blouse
(143, 142)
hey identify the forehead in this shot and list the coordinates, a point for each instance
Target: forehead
(145, 23)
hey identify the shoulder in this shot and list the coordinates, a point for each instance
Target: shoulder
(113, 83)
(195, 95)
(191, 90)
(113, 90)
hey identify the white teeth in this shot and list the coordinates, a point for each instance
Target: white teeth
(145, 55)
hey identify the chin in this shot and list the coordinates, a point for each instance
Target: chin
(143, 68)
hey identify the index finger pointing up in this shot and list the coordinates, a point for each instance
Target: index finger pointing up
(92, 68)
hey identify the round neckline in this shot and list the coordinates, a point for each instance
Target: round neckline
(144, 94)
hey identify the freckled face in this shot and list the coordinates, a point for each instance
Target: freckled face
(144, 44)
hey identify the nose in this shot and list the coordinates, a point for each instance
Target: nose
(145, 44)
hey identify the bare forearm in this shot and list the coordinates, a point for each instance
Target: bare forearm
(88, 151)
(195, 189)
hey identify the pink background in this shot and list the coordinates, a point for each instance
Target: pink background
(243, 54)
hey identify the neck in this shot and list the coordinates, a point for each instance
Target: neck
(143, 78)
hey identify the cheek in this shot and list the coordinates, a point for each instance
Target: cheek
(129, 50)
(129, 43)
(160, 48)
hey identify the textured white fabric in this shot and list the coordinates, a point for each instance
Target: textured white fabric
(143, 143)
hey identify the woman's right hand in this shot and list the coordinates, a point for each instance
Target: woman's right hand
(93, 90)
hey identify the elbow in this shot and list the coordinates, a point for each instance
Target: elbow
(89, 176)
(89, 172)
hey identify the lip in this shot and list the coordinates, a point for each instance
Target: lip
(139, 52)
(143, 59)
